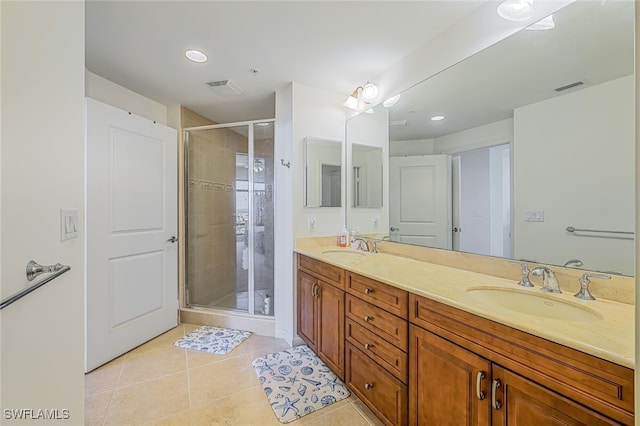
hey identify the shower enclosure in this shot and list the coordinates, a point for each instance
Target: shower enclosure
(229, 216)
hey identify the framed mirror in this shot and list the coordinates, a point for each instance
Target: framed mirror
(323, 172)
(538, 132)
(366, 176)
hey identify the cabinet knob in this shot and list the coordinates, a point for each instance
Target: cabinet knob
(368, 346)
(368, 291)
(368, 386)
(367, 318)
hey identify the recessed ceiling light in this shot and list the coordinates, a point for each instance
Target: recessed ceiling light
(195, 56)
(391, 101)
(437, 118)
(516, 10)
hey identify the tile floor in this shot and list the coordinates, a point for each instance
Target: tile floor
(159, 384)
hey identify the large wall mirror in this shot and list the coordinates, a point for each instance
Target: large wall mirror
(323, 172)
(526, 149)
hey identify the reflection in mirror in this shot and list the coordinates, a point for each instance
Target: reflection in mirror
(366, 173)
(323, 172)
(539, 129)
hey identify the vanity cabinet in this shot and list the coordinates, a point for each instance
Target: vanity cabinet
(465, 369)
(377, 332)
(320, 296)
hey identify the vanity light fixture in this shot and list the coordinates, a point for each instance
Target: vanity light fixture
(516, 10)
(370, 92)
(195, 56)
(362, 97)
(352, 101)
(391, 101)
(543, 25)
(437, 118)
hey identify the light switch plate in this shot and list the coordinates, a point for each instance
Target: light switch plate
(535, 215)
(68, 224)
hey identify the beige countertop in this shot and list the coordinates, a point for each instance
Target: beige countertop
(610, 336)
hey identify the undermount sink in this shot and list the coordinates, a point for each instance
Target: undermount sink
(343, 255)
(536, 304)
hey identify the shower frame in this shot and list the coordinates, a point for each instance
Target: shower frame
(250, 223)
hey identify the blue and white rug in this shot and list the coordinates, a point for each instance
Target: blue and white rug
(297, 383)
(214, 340)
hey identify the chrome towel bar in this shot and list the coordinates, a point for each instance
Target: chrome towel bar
(57, 270)
(572, 229)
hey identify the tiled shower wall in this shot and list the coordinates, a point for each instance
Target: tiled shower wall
(211, 221)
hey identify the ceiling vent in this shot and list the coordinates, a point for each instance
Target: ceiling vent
(569, 86)
(398, 123)
(225, 87)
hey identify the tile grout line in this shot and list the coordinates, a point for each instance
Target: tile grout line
(113, 391)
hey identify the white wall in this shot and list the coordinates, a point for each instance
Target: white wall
(411, 147)
(284, 285)
(592, 129)
(485, 136)
(301, 111)
(42, 157)
(118, 96)
(316, 113)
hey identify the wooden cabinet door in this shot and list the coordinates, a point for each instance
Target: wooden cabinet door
(448, 385)
(307, 309)
(331, 327)
(522, 402)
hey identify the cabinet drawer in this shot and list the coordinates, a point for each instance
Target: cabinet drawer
(388, 326)
(384, 353)
(328, 273)
(382, 295)
(385, 395)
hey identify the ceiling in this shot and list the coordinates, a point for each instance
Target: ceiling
(592, 42)
(330, 45)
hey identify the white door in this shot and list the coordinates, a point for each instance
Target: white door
(131, 221)
(420, 200)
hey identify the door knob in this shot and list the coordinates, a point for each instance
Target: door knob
(394, 228)
(456, 229)
(173, 239)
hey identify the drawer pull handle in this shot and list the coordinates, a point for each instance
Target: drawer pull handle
(368, 291)
(494, 401)
(367, 318)
(368, 346)
(368, 386)
(479, 391)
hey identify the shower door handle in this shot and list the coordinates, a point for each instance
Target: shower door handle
(173, 239)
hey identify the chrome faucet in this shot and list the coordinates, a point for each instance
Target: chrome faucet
(361, 242)
(584, 292)
(375, 243)
(524, 269)
(549, 280)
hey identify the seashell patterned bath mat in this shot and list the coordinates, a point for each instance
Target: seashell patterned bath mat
(297, 383)
(214, 340)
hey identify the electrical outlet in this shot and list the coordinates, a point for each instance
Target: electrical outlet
(311, 224)
(68, 224)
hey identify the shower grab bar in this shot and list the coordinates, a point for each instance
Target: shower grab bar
(19, 295)
(572, 229)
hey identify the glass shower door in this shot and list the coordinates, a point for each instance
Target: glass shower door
(229, 217)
